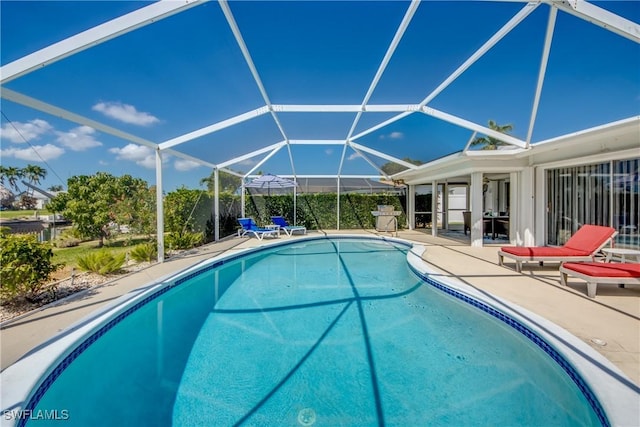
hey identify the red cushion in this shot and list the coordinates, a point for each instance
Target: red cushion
(600, 269)
(585, 242)
(543, 251)
(590, 238)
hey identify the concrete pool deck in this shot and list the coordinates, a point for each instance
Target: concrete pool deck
(612, 318)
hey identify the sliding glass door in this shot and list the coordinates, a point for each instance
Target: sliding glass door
(626, 215)
(601, 194)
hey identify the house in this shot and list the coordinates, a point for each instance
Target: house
(549, 189)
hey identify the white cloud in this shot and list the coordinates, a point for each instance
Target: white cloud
(78, 139)
(17, 132)
(328, 151)
(147, 162)
(142, 155)
(354, 156)
(133, 152)
(248, 162)
(183, 165)
(393, 135)
(36, 153)
(125, 113)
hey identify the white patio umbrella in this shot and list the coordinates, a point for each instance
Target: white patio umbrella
(270, 181)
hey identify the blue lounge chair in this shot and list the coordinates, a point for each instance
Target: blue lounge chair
(249, 226)
(284, 225)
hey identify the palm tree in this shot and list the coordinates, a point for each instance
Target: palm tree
(3, 174)
(489, 142)
(34, 174)
(12, 174)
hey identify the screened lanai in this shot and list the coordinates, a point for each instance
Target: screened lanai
(178, 90)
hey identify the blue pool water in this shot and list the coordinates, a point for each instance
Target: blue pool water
(319, 332)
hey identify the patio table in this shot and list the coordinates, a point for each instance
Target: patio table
(495, 223)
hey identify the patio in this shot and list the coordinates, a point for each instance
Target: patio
(613, 317)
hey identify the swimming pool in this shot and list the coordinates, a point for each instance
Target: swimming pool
(319, 331)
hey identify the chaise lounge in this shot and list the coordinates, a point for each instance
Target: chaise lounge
(582, 246)
(600, 272)
(284, 225)
(249, 226)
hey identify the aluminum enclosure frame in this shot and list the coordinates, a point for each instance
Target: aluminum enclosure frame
(166, 8)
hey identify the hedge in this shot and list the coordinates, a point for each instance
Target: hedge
(314, 211)
(318, 211)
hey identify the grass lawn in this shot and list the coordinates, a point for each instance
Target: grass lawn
(23, 214)
(69, 256)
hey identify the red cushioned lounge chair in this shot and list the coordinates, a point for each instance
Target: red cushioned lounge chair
(600, 272)
(582, 246)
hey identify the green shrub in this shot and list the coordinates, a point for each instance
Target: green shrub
(145, 252)
(102, 262)
(67, 239)
(67, 242)
(319, 211)
(184, 240)
(25, 265)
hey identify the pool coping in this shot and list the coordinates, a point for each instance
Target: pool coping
(22, 379)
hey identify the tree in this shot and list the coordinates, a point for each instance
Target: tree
(58, 203)
(12, 175)
(489, 142)
(56, 188)
(3, 174)
(27, 202)
(6, 197)
(179, 208)
(34, 174)
(228, 182)
(135, 205)
(391, 168)
(94, 202)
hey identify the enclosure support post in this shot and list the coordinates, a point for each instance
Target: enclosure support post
(445, 205)
(338, 202)
(295, 197)
(242, 199)
(477, 224)
(411, 207)
(216, 204)
(434, 208)
(526, 206)
(159, 207)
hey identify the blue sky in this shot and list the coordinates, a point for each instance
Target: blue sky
(186, 72)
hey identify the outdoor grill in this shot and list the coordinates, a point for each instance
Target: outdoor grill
(386, 218)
